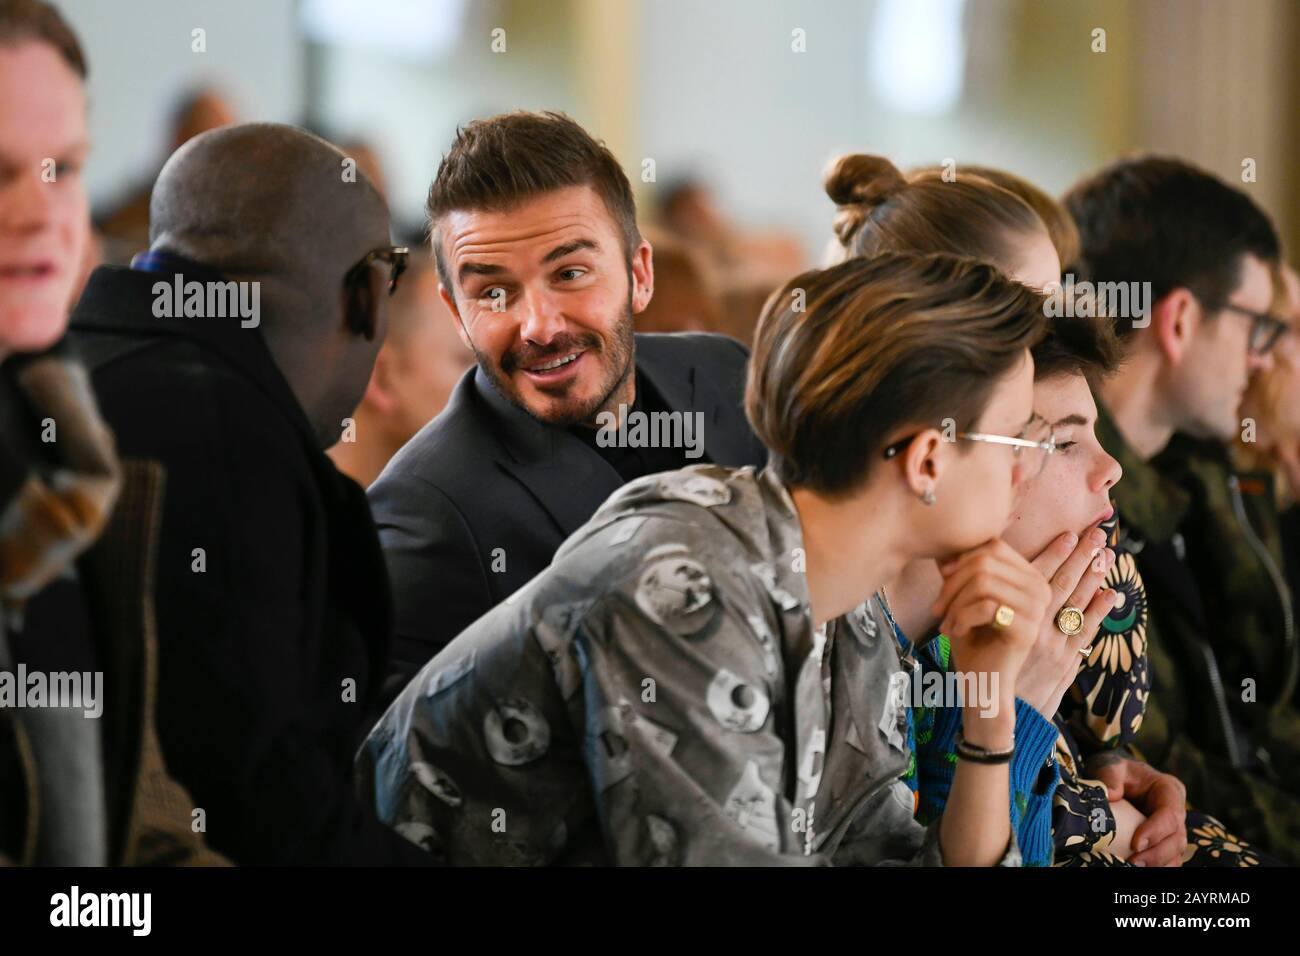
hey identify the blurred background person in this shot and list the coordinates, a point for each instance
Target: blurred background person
(685, 299)
(710, 251)
(76, 523)
(1269, 444)
(420, 362)
(1272, 401)
(124, 227)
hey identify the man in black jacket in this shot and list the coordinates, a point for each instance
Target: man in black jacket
(231, 352)
(534, 232)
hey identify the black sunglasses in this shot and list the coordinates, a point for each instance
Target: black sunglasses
(395, 256)
(1265, 329)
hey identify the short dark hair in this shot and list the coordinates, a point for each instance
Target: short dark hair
(1160, 220)
(844, 357)
(36, 20)
(500, 162)
(1077, 345)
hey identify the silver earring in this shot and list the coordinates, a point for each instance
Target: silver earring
(928, 497)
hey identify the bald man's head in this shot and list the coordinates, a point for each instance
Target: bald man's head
(272, 204)
(263, 198)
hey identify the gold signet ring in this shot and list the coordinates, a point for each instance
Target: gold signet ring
(1069, 620)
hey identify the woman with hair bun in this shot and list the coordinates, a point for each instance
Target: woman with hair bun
(881, 210)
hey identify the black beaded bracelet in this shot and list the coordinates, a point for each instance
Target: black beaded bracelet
(977, 754)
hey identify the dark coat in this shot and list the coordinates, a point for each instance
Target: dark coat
(273, 607)
(478, 502)
(103, 613)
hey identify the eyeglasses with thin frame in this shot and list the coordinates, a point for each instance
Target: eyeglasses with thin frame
(395, 256)
(1037, 435)
(1265, 329)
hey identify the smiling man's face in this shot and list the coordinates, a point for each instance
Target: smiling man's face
(544, 295)
(44, 217)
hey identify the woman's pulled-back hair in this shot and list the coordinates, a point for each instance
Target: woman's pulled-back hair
(881, 210)
(973, 215)
(844, 357)
(1060, 224)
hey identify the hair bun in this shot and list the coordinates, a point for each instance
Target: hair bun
(857, 183)
(860, 179)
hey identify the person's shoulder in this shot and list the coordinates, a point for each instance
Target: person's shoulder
(204, 405)
(691, 348)
(453, 453)
(706, 511)
(173, 393)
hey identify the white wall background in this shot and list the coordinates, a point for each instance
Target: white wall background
(723, 94)
(141, 62)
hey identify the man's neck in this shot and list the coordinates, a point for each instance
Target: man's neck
(363, 459)
(852, 548)
(1133, 401)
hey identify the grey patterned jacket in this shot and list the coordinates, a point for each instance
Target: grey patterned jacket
(659, 695)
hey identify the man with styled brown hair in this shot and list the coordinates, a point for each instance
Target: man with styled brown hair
(534, 233)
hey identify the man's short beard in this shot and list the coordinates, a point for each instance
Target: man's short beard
(571, 413)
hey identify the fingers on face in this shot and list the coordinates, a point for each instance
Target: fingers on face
(1056, 554)
(1082, 564)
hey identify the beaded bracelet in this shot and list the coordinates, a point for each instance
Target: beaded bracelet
(977, 754)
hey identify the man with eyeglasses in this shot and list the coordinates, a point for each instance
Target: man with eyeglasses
(1221, 639)
(273, 605)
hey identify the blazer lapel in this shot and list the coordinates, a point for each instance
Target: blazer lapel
(568, 479)
(685, 390)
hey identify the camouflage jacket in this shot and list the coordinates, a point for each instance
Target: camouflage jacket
(1233, 538)
(1195, 726)
(659, 695)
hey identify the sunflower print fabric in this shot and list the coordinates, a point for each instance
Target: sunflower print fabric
(1103, 710)
(1104, 706)
(1083, 825)
(1209, 844)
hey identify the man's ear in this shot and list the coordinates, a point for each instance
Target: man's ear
(450, 302)
(921, 462)
(1175, 320)
(643, 276)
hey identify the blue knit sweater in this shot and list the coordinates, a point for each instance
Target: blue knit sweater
(1034, 772)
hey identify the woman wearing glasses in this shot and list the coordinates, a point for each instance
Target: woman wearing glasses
(682, 685)
(1093, 643)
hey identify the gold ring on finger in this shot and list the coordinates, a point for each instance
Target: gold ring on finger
(1069, 620)
(1003, 616)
